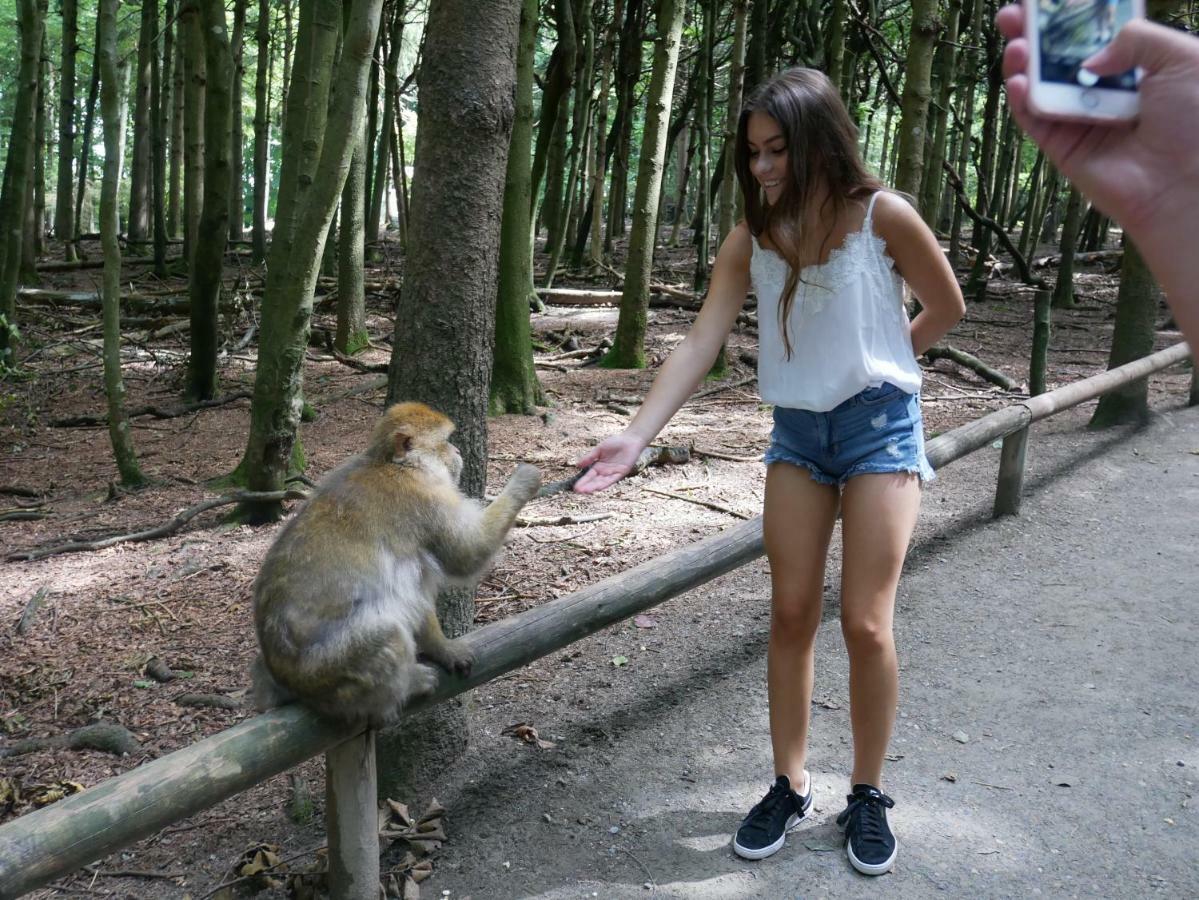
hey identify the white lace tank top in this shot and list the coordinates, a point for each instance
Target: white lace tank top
(848, 326)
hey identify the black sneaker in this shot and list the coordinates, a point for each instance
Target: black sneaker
(868, 838)
(763, 831)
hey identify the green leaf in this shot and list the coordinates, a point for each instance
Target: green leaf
(620, 661)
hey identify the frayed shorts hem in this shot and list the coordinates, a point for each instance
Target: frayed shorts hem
(776, 454)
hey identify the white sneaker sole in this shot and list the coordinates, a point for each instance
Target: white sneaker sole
(793, 822)
(869, 869)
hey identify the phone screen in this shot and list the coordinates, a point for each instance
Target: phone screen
(1074, 30)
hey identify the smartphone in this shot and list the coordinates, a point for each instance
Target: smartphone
(1062, 34)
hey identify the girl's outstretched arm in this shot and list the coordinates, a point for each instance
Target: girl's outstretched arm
(920, 260)
(612, 459)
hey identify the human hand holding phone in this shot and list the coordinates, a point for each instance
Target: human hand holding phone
(1139, 173)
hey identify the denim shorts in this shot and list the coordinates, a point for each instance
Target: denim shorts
(878, 430)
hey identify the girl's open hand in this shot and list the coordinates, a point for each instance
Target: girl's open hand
(610, 461)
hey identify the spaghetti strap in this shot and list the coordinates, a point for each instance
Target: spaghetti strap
(870, 205)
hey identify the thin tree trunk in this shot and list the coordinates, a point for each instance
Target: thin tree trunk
(599, 166)
(194, 76)
(628, 349)
(728, 187)
(93, 95)
(237, 201)
(158, 146)
(35, 217)
(64, 212)
(175, 174)
(112, 87)
(917, 89)
(627, 73)
(262, 130)
(1063, 291)
(703, 119)
(391, 96)
(304, 212)
(514, 385)
(18, 167)
(138, 225)
(351, 335)
(208, 252)
(944, 69)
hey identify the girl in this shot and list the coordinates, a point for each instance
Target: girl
(826, 251)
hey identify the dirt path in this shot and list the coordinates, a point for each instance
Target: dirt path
(1059, 645)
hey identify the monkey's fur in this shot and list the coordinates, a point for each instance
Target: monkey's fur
(346, 595)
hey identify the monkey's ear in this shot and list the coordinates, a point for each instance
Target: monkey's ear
(403, 444)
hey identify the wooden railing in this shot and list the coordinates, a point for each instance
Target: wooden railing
(56, 840)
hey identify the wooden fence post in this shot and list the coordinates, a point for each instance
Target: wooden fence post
(352, 819)
(1040, 342)
(1011, 474)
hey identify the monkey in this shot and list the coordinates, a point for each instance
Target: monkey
(345, 598)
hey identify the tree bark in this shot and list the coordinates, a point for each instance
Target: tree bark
(112, 87)
(728, 187)
(445, 322)
(31, 17)
(514, 385)
(391, 91)
(137, 226)
(93, 95)
(236, 143)
(1132, 338)
(945, 60)
(64, 212)
(628, 348)
(191, 37)
(351, 335)
(175, 171)
(1063, 291)
(917, 89)
(262, 130)
(158, 145)
(304, 212)
(703, 122)
(208, 252)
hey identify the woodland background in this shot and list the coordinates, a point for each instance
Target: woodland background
(232, 231)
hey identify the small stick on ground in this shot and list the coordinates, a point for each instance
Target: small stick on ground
(712, 454)
(560, 520)
(708, 504)
(158, 412)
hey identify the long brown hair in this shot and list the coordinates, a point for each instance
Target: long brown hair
(822, 147)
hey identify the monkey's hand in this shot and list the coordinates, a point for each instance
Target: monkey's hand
(524, 483)
(455, 656)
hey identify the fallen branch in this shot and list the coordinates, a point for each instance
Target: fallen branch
(23, 515)
(97, 263)
(159, 531)
(107, 736)
(707, 392)
(1094, 256)
(974, 364)
(549, 521)
(18, 491)
(31, 609)
(140, 302)
(706, 503)
(955, 181)
(158, 412)
(695, 451)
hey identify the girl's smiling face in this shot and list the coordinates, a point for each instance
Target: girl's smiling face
(767, 154)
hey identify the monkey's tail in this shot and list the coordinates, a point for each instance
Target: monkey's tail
(267, 692)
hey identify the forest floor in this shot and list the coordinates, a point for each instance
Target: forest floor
(658, 726)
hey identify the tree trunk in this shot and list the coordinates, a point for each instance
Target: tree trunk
(158, 144)
(112, 87)
(31, 18)
(304, 212)
(192, 38)
(351, 335)
(835, 46)
(138, 225)
(208, 252)
(391, 91)
(917, 89)
(584, 71)
(35, 217)
(445, 322)
(703, 119)
(945, 61)
(262, 130)
(514, 384)
(728, 187)
(550, 155)
(628, 72)
(1063, 291)
(1132, 338)
(236, 143)
(64, 212)
(93, 95)
(756, 69)
(628, 349)
(175, 172)
(599, 167)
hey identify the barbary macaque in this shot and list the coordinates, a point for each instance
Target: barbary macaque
(345, 599)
